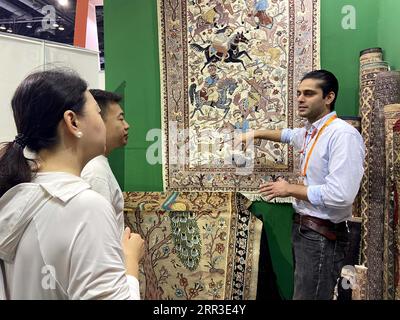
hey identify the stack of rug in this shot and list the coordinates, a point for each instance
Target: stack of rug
(396, 208)
(387, 91)
(371, 64)
(392, 114)
(379, 92)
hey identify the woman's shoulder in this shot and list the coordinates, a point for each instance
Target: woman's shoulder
(89, 198)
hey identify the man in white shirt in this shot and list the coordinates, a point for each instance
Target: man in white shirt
(332, 156)
(97, 172)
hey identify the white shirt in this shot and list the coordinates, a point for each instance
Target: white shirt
(60, 240)
(335, 167)
(99, 175)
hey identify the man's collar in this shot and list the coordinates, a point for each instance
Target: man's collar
(319, 123)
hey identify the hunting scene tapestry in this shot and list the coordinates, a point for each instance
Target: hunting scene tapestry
(229, 66)
(198, 245)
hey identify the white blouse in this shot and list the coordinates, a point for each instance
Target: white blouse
(60, 240)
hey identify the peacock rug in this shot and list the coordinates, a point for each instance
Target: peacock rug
(198, 245)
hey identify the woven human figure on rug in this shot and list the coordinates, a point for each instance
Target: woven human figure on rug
(199, 245)
(229, 67)
(371, 64)
(387, 91)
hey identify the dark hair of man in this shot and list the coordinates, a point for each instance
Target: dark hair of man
(38, 105)
(328, 83)
(104, 99)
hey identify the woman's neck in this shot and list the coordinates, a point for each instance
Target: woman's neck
(59, 161)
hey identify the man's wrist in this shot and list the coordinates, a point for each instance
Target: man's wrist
(256, 134)
(297, 191)
(290, 190)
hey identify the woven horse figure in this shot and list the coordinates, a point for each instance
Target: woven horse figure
(224, 87)
(231, 55)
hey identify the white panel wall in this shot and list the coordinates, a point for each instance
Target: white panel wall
(85, 62)
(20, 56)
(102, 80)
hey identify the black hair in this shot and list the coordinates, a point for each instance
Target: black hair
(38, 105)
(329, 83)
(104, 99)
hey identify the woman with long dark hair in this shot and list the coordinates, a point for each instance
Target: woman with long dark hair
(58, 238)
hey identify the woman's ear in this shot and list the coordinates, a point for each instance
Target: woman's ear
(72, 123)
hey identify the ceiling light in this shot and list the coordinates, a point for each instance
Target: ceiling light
(3, 27)
(29, 25)
(63, 2)
(61, 28)
(9, 30)
(55, 25)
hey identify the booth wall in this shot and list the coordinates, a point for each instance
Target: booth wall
(131, 53)
(132, 58)
(20, 56)
(389, 32)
